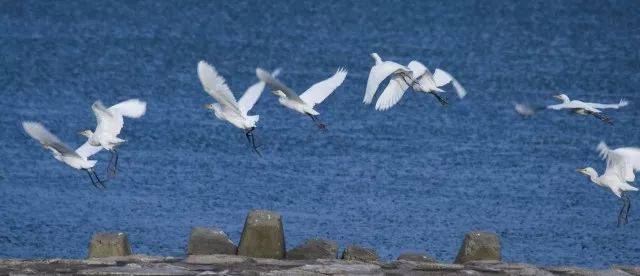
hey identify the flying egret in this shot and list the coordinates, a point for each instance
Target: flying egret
(227, 108)
(76, 159)
(306, 101)
(110, 122)
(582, 108)
(380, 71)
(622, 163)
(422, 81)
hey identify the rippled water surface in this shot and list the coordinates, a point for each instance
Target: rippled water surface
(416, 177)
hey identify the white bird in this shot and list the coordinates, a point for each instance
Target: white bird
(77, 159)
(309, 99)
(622, 163)
(422, 81)
(580, 108)
(227, 108)
(380, 71)
(110, 122)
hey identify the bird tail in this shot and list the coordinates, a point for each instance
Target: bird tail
(603, 149)
(253, 119)
(623, 102)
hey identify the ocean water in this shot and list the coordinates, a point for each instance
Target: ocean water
(417, 177)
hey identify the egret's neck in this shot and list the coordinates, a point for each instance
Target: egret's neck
(593, 176)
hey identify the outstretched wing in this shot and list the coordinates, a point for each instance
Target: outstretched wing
(418, 69)
(392, 93)
(321, 90)
(573, 105)
(108, 122)
(622, 103)
(442, 78)
(623, 161)
(377, 74)
(275, 84)
(216, 87)
(47, 139)
(87, 150)
(251, 96)
(133, 108)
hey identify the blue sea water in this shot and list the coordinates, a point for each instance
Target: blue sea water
(416, 177)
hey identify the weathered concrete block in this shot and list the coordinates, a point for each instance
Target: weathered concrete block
(479, 246)
(263, 235)
(416, 257)
(207, 241)
(358, 253)
(109, 245)
(314, 249)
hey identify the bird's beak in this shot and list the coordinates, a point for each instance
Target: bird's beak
(206, 106)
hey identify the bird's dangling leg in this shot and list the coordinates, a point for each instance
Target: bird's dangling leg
(252, 140)
(112, 168)
(442, 101)
(622, 215)
(96, 183)
(100, 182)
(602, 117)
(626, 213)
(411, 82)
(319, 123)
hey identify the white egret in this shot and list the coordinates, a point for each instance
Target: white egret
(306, 101)
(77, 159)
(622, 163)
(380, 71)
(422, 81)
(227, 108)
(110, 122)
(582, 108)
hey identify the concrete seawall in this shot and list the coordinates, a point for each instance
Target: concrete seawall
(262, 251)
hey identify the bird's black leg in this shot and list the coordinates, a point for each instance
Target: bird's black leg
(319, 123)
(603, 117)
(622, 215)
(413, 82)
(252, 140)
(626, 213)
(100, 182)
(112, 168)
(91, 177)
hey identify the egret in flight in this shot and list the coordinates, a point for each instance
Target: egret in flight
(110, 122)
(422, 81)
(227, 108)
(582, 108)
(77, 159)
(622, 163)
(382, 70)
(306, 101)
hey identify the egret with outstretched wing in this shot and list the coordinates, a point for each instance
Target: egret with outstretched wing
(579, 107)
(227, 108)
(622, 164)
(304, 103)
(110, 122)
(77, 159)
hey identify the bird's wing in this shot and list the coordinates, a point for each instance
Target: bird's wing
(87, 150)
(275, 84)
(572, 105)
(251, 96)
(47, 139)
(392, 93)
(377, 74)
(624, 162)
(417, 68)
(441, 78)
(524, 109)
(107, 121)
(216, 87)
(132, 108)
(622, 103)
(321, 90)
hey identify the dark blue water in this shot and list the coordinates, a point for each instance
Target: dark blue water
(416, 177)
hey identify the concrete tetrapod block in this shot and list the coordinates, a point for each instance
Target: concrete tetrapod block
(479, 246)
(208, 241)
(109, 245)
(263, 235)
